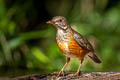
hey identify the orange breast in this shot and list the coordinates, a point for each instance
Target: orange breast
(72, 49)
(62, 47)
(76, 50)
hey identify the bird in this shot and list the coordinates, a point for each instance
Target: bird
(71, 43)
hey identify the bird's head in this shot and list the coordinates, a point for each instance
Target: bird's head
(59, 22)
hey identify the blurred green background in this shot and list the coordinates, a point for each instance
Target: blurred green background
(28, 45)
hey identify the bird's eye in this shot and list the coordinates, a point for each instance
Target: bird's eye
(60, 20)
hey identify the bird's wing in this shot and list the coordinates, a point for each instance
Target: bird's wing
(82, 41)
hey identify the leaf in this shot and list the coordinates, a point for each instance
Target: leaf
(40, 55)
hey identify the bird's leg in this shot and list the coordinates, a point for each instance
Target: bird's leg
(78, 71)
(61, 72)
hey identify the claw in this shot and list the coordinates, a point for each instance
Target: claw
(60, 73)
(76, 74)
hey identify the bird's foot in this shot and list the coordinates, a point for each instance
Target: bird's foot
(76, 74)
(61, 72)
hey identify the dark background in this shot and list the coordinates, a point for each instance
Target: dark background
(28, 45)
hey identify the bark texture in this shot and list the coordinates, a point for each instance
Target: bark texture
(83, 76)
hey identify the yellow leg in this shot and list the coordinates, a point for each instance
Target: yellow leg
(78, 71)
(61, 72)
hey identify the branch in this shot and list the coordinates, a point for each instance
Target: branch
(83, 76)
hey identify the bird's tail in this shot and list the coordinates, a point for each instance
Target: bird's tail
(94, 57)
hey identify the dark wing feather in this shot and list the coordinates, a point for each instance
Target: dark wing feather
(82, 41)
